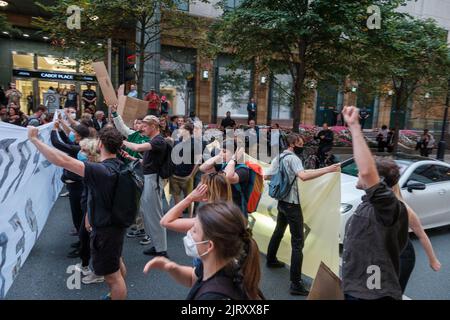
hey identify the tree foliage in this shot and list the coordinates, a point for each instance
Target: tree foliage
(119, 20)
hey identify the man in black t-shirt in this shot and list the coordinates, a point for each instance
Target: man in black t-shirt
(227, 122)
(89, 97)
(182, 180)
(151, 207)
(100, 178)
(237, 173)
(72, 100)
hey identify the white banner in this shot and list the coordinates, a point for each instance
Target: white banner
(320, 201)
(29, 186)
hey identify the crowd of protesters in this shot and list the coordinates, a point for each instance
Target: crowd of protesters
(210, 191)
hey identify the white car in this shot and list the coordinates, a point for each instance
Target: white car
(425, 186)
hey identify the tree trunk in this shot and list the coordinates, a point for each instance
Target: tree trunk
(141, 66)
(399, 105)
(298, 82)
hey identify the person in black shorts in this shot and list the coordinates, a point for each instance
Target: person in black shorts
(100, 179)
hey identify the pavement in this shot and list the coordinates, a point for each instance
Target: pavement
(43, 275)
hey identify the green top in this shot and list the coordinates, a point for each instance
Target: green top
(138, 138)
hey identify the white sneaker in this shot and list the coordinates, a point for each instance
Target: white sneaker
(92, 278)
(65, 194)
(83, 270)
(145, 241)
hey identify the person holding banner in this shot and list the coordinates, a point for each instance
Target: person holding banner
(100, 178)
(377, 232)
(290, 211)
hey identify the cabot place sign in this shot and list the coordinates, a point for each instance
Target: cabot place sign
(52, 75)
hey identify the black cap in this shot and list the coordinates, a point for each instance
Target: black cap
(82, 130)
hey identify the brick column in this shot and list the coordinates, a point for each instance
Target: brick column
(261, 95)
(203, 90)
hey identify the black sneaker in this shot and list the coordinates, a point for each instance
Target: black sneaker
(136, 234)
(298, 289)
(275, 264)
(152, 252)
(74, 254)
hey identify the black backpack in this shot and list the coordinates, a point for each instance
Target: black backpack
(127, 197)
(167, 167)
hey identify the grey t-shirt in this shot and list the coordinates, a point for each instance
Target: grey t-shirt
(293, 166)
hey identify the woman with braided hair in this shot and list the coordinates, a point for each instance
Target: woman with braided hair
(230, 266)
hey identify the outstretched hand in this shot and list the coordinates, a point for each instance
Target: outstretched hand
(158, 263)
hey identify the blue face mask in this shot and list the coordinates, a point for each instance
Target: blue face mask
(72, 136)
(82, 156)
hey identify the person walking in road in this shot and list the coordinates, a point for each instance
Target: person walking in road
(377, 232)
(100, 178)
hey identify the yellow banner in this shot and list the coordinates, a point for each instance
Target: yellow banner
(320, 200)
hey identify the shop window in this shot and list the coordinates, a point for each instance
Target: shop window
(232, 4)
(174, 80)
(86, 67)
(23, 61)
(282, 97)
(26, 88)
(182, 5)
(57, 64)
(233, 91)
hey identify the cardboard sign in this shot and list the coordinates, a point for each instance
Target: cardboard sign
(104, 81)
(326, 285)
(131, 109)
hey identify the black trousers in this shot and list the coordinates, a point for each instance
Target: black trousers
(381, 146)
(407, 263)
(75, 191)
(251, 115)
(85, 244)
(289, 214)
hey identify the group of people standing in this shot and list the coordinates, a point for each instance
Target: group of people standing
(226, 258)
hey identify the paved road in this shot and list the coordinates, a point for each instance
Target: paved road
(43, 275)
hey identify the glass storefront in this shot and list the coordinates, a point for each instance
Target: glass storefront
(35, 74)
(177, 78)
(55, 64)
(26, 87)
(23, 61)
(282, 97)
(233, 89)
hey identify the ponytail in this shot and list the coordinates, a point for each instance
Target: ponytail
(250, 267)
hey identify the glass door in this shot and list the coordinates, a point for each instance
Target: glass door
(27, 101)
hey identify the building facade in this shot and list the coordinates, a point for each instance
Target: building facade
(208, 87)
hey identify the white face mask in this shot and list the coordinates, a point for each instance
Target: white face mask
(190, 246)
(73, 115)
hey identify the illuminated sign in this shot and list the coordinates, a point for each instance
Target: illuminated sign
(52, 75)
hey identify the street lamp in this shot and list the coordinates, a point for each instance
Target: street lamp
(442, 144)
(427, 97)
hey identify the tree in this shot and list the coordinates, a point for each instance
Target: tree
(103, 19)
(6, 26)
(413, 57)
(308, 39)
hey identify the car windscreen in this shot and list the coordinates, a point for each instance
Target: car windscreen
(351, 169)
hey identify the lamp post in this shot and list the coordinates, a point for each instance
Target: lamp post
(427, 97)
(442, 144)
